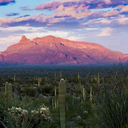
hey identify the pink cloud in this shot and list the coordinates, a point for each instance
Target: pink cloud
(52, 5)
(123, 20)
(108, 1)
(111, 13)
(48, 5)
(60, 8)
(119, 6)
(79, 8)
(124, 9)
(65, 11)
(104, 21)
(5, 21)
(74, 11)
(105, 32)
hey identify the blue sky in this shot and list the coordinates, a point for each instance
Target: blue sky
(100, 21)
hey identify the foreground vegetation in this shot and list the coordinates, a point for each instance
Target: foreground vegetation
(94, 97)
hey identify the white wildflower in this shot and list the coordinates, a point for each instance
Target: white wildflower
(25, 112)
(85, 112)
(19, 109)
(44, 108)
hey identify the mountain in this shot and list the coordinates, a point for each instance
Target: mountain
(54, 50)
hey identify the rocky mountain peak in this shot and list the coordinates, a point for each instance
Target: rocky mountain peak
(24, 39)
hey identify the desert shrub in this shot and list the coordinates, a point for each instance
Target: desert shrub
(46, 89)
(30, 91)
(72, 80)
(77, 89)
(17, 88)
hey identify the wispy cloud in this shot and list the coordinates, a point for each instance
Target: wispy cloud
(26, 8)
(105, 32)
(12, 14)
(111, 13)
(123, 20)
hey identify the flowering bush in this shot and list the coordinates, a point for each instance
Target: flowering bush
(41, 114)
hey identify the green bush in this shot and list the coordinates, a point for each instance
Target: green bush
(30, 91)
(46, 89)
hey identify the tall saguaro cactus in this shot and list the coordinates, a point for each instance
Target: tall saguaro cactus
(98, 80)
(39, 81)
(90, 94)
(62, 102)
(78, 77)
(60, 75)
(55, 98)
(84, 94)
(8, 88)
(14, 77)
(55, 76)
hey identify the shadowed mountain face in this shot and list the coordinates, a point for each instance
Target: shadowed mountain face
(58, 51)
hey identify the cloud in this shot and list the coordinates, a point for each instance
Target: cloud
(65, 10)
(26, 8)
(105, 32)
(4, 22)
(12, 14)
(6, 2)
(108, 1)
(37, 21)
(123, 20)
(124, 9)
(111, 13)
(104, 21)
(24, 16)
(75, 38)
(48, 5)
(93, 4)
(70, 13)
(9, 39)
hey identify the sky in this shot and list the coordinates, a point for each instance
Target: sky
(104, 22)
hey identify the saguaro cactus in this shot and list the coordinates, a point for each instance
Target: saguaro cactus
(62, 102)
(55, 76)
(84, 94)
(60, 75)
(8, 88)
(90, 94)
(98, 80)
(55, 98)
(78, 77)
(14, 77)
(39, 81)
